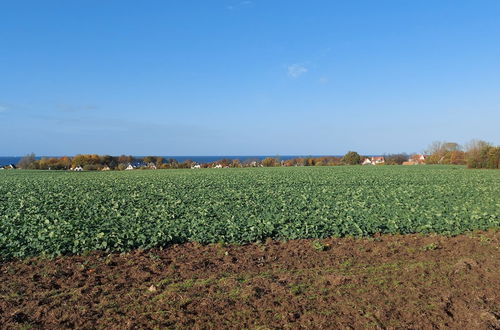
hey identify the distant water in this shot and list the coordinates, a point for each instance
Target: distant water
(9, 160)
(197, 159)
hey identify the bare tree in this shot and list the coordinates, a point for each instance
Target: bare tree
(434, 148)
(26, 161)
(476, 145)
(451, 146)
(440, 151)
(477, 153)
(441, 147)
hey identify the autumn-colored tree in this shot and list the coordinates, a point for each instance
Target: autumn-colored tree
(321, 161)
(494, 157)
(310, 162)
(457, 157)
(440, 152)
(476, 153)
(65, 162)
(481, 154)
(123, 159)
(43, 163)
(158, 161)
(224, 162)
(186, 164)
(269, 162)
(333, 161)
(149, 159)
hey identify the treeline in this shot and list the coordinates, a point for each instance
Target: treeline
(305, 161)
(93, 162)
(350, 158)
(474, 154)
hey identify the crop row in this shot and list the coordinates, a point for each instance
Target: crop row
(53, 213)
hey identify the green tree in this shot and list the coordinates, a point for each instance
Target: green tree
(395, 159)
(351, 158)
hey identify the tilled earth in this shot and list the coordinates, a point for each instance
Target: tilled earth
(410, 281)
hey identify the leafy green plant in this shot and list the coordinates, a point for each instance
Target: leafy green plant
(49, 213)
(430, 247)
(318, 245)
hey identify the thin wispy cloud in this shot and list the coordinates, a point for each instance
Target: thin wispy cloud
(75, 108)
(296, 70)
(240, 4)
(3, 108)
(324, 80)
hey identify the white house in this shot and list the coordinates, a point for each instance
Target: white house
(195, 166)
(8, 167)
(415, 160)
(78, 169)
(419, 159)
(373, 161)
(129, 167)
(218, 166)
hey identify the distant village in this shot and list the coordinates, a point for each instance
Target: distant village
(476, 154)
(267, 162)
(82, 163)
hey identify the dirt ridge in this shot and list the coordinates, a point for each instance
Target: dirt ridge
(400, 281)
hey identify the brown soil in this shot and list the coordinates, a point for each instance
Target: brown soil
(407, 281)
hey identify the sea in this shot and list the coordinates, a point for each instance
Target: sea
(198, 159)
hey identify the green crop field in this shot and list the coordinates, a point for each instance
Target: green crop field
(52, 213)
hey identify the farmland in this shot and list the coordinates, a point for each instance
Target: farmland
(328, 247)
(56, 213)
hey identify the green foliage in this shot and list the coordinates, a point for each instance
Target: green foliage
(430, 247)
(318, 245)
(395, 159)
(60, 212)
(351, 158)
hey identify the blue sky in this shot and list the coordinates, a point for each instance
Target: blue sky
(246, 77)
